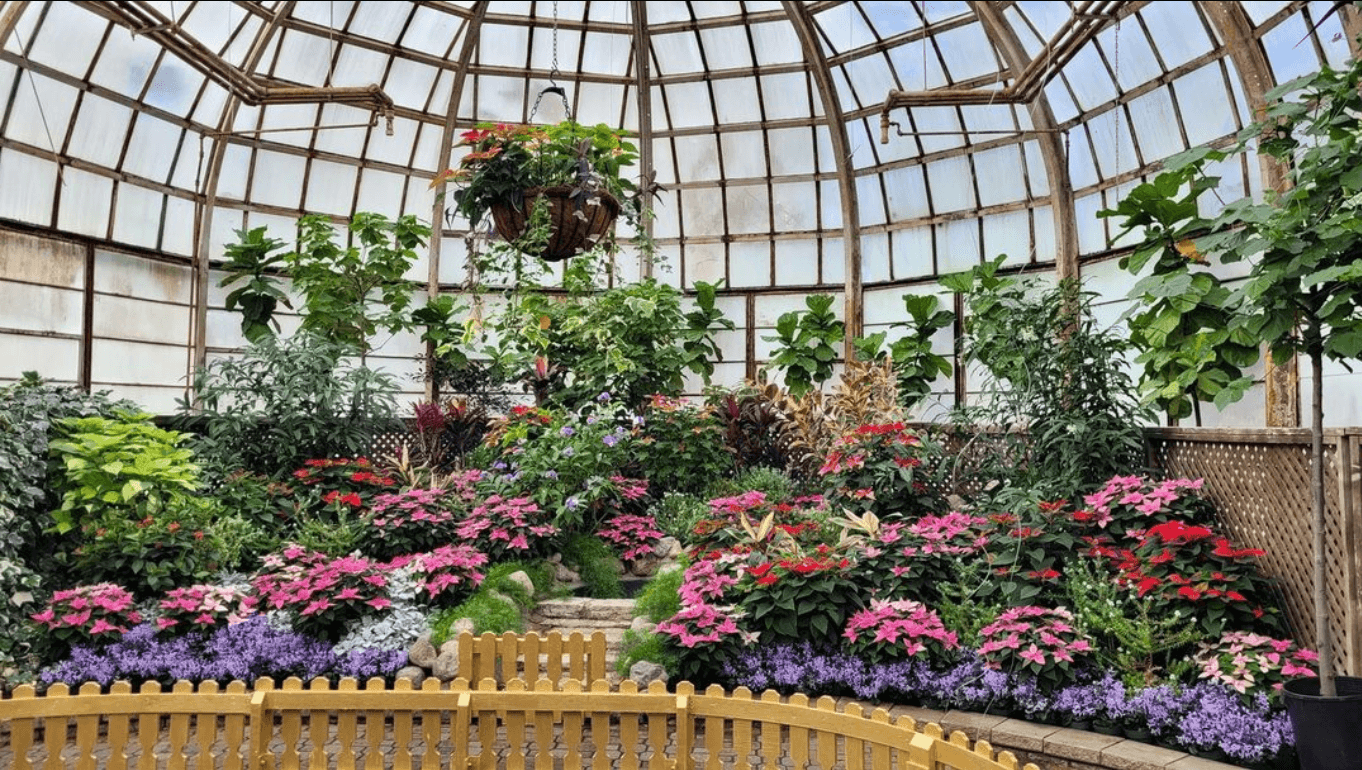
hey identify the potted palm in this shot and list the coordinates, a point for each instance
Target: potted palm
(551, 191)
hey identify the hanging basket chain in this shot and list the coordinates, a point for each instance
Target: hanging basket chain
(553, 87)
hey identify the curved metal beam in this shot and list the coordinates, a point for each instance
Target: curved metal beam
(1233, 25)
(203, 244)
(643, 84)
(798, 15)
(1005, 38)
(9, 19)
(471, 33)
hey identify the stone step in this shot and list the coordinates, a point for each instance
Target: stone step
(587, 609)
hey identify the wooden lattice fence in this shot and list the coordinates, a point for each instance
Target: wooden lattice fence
(1259, 480)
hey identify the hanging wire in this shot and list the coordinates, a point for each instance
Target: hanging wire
(28, 70)
(553, 87)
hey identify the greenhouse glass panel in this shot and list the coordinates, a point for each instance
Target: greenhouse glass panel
(775, 43)
(431, 32)
(796, 262)
(27, 187)
(1178, 31)
(726, 48)
(749, 264)
(791, 151)
(152, 148)
(735, 101)
(303, 58)
(381, 20)
(952, 185)
(85, 203)
(138, 215)
(744, 154)
(1000, 171)
(913, 252)
(100, 129)
(906, 191)
(966, 52)
(958, 246)
(795, 206)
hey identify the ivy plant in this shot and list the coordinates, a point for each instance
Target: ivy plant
(806, 344)
(1303, 249)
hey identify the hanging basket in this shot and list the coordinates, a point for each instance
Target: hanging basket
(575, 224)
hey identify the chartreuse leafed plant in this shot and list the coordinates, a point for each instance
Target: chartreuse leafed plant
(130, 493)
(806, 344)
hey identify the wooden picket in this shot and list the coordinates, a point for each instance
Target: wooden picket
(519, 725)
(531, 658)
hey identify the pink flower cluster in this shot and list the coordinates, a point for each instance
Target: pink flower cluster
(1032, 638)
(731, 507)
(704, 581)
(634, 536)
(952, 533)
(500, 524)
(1130, 499)
(446, 569)
(312, 584)
(204, 607)
(698, 624)
(102, 611)
(904, 627)
(1251, 663)
(630, 489)
(414, 506)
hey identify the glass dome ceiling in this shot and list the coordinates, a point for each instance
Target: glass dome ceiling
(135, 137)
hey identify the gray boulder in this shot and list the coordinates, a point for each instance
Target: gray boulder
(422, 653)
(416, 674)
(446, 667)
(523, 580)
(645, 672)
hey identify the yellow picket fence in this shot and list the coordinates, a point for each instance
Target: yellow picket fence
(546, 725)
(531, 658)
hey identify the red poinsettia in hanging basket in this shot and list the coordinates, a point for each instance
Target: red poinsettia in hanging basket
(574, 169)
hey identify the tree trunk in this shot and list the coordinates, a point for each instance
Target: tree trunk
(1323, 636)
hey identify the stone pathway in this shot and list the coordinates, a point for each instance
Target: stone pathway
(611, 616)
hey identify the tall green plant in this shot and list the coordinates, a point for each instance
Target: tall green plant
(252, 258)
(285, 401)
(806, 344)
(916, 365)
(1058, 394)
(1303, 247)
(351, 292)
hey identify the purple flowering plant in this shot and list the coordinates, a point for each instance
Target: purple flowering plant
(1036, 641)
(91, 614)
(413, 521)
(567, 465)
(447, 574)
(506, 528)
(202, 608)
(244, 651)
(321, 594)
(904, 628)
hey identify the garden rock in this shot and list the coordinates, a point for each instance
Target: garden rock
(646, 672)
(446, 667)
(461, 625)
(450, 647)
(423, 653)
(644, 566)
(667, 548)
(642, 625)
(564, 575)
(523, 580)
(416, 674)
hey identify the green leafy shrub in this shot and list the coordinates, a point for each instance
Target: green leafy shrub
(594, 560)
(285, 401)
(806, 344)
(122, 463)
(661, 597)
(489, 613)
(175, 546)
(242, 542)
(775, 483)
(681, 447)
(654, 648)
(677, 514)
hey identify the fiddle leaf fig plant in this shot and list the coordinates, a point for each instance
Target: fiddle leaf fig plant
(916, 366)
(250, 259)
(1302, 246)
(807, 344)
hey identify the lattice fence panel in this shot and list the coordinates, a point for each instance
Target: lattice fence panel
(1260, 485)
